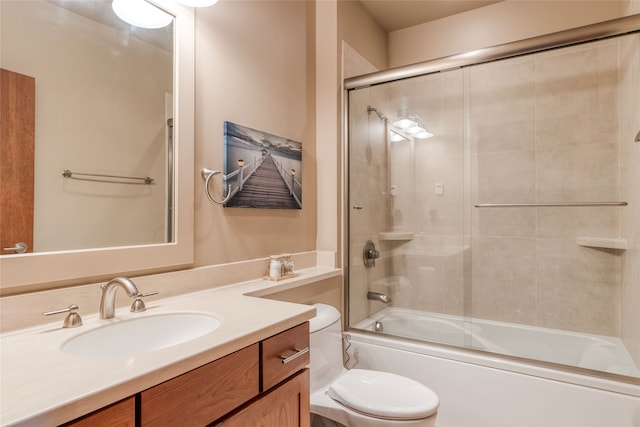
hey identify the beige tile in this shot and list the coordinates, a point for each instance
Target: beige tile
(502, 105)
(504, 286)
(504, 222)
(629, 181)
(578, 287)
(424, 273)
(453, 297)
(576, 96)
(441, 213)
(630, 298)
(578, 221)
(587, 173)
(506, 177)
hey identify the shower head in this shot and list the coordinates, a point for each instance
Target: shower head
(371, 109)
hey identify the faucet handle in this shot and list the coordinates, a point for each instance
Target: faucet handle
(73, 319)
(138, 305)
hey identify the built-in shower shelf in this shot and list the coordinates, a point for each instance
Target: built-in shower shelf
(599, 242)
(396, 235)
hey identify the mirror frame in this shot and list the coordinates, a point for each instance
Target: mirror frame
(38, 271)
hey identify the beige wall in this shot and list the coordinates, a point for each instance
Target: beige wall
(253, 69)
(328, 127)
(358, 28)
(496, 24)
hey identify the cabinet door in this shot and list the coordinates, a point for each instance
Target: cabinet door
(284, 406)
(203, 395)
(120, 414)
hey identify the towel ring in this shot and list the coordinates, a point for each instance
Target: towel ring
(206, 175)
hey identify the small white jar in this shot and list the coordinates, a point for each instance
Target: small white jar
(275, 268)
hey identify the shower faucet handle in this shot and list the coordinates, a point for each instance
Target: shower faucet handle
(370, 254)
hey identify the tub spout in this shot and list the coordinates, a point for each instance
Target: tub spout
(377, 296)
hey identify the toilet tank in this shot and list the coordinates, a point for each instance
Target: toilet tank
(325, 344)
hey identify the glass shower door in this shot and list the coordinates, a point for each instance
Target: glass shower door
(508, 227)
(407, 198)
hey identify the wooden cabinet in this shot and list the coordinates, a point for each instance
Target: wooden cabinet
(287, 405)
(284, 354)
(120, 414)
(264, 384)
(203, 395)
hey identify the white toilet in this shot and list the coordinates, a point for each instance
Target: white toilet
(360, 397)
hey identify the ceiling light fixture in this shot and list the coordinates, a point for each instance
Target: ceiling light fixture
(198, 3)
(413, 125)
(405, 123)
(396, 137)
(141, 13)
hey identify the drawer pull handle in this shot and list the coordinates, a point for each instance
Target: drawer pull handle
(298, 353)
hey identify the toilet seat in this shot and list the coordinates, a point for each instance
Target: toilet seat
(384, 395)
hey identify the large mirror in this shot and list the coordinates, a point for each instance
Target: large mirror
(97, 119)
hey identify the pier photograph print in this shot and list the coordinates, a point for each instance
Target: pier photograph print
(261, 170)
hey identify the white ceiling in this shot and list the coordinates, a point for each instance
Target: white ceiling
(396, 14)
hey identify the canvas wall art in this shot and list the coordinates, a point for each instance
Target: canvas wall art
(261, 170)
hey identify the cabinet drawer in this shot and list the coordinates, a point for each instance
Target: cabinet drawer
(205, 394)
(120, 414)
(284, 354)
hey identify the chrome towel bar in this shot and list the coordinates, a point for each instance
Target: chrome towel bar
(548, 204)
(68, 174)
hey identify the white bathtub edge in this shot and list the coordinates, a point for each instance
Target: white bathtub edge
(497, 362)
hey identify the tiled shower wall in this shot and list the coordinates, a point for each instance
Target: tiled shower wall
(544, 128)
(630, 191)
(551, 127)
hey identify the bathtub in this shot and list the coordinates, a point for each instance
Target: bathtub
(478, 389)
(596, 352)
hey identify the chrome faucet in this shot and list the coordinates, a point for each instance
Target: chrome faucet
(108, 300)
(377, 296)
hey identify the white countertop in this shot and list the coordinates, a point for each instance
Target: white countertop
(41, 385)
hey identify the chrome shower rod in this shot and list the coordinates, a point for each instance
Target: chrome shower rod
(548, 204)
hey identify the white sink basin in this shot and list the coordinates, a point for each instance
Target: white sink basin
(134, 336)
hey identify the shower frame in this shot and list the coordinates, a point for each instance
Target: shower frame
(571, 37)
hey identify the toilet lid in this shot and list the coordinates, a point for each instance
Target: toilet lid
(384, 395)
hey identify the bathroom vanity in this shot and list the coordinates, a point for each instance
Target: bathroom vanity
(250, 370)
(262, 384)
